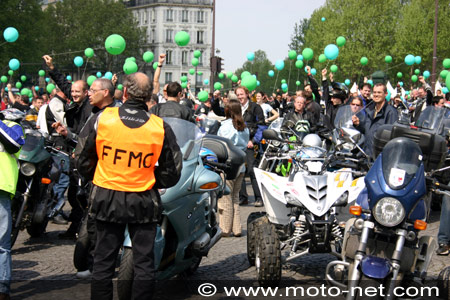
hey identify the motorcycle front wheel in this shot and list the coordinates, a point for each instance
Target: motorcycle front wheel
(126, 275)
(81, 252)
(367, 282)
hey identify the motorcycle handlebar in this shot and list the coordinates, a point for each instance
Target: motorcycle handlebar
(437, 185)
(216, 164)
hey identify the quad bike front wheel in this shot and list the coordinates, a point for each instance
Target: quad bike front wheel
(268, 255)
(252, 220)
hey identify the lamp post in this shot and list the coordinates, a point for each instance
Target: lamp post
(433, 70)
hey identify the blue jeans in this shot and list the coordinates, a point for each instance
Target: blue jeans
(5, 242)
(60, 188)
(444, 226)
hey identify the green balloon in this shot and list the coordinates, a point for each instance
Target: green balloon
(399, 75)
(115, 44)
(10, 72)
(130, 67)
(234, 78)
(249, 82)
(4, 79)
(340, 41)
(245, 74)
(200, 73)
(443, 74)
(221, 76)
(41, 73)
(132, 58)
(417, 71)
(18, 84)
(50, 88)
(23, 77)
(297, 83)
(334, 68)
(192, 71)
(184, 85)
(89, 52)
(183, 78)
(322, 58)
(292, 54)
(414, 78)
(217, 86)
(388, 59)
(182, 38)
(91, 79)
(155, 65)
(364, 61)
(194, 62)
(299, 64)
(203, 96)
(229, 74)
(148, 56)
(120, 87)
(197, 53)
(283, 81)
(307, 53)
(25, 91)
(446, 64)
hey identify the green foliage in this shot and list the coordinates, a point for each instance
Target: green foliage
(64, 30)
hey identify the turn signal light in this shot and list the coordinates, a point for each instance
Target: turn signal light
(46, 180)
(420, 225)
(355, 210)
(209, 186)
(263, 141)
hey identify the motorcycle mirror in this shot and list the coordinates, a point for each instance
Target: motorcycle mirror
(270, 134)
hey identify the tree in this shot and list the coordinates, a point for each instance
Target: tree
(80, 24)
(298, 38)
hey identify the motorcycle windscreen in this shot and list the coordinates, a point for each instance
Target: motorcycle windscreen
(401, 159)
(432, 118)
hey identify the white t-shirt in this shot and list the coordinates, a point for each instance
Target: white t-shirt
(266, 110)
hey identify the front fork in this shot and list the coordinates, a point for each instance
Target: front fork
(26, 195)
(355, 275)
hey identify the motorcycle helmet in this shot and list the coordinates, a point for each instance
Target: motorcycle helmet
(312, 140)
(339, 91)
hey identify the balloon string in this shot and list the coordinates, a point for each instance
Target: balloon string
(394, 66)
(3, 43)
(276, 79)
(289, 76)
(85, 66)
(70, 52)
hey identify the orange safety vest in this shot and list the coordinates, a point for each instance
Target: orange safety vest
(127, 156)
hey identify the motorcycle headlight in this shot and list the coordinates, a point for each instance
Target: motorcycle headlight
(27, 169)
(389, 212)
(290, 199)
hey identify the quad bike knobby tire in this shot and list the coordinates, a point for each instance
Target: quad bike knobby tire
(268, 255)
(253, 218)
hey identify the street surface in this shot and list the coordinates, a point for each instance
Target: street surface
(43, 268)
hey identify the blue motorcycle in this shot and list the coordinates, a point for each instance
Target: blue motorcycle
(189, 226)
(382, 248)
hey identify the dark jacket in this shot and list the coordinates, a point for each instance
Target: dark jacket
(330, 109)
(172, 109)
(421, 102)
(76, 114)
(294, 117)
(369, 125)
(129, 207)
(314, 88)
(253, 116)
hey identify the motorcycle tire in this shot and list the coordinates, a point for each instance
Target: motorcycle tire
(251, 234)
(37, 230)
(367, 282)
(443, 283)
(82, 246)
(268, 255)
(193, 267)
(14, 234)
(126, 275)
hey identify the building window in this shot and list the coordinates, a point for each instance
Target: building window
(200, 60)
(153, 16)
(169, 36)
(198, 79)
(153, 35)
(168, 57)
(169, 15)
(145, 17)
(184, 57)
(184, 74)
(199, 37)
(184, 16)
(168, 77)
(200, 17)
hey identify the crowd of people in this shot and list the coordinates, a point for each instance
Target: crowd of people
(94, 122)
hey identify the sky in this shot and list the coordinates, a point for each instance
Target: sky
(244, 26)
